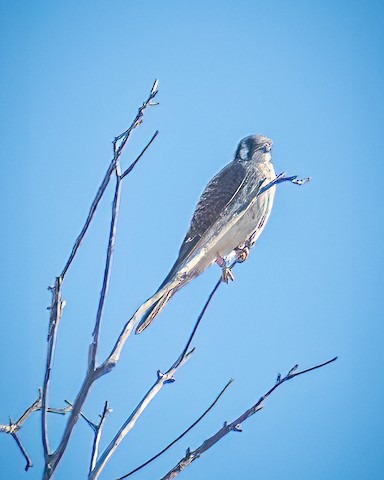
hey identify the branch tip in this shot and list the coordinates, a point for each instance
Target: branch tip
(155, 86)
(235, 425)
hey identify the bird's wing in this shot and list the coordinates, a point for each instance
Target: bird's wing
(233, 184)
(218, 194)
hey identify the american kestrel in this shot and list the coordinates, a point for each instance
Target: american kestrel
(229, 217)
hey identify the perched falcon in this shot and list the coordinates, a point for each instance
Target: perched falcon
(229, 217)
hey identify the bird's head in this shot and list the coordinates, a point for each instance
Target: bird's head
(254, 147)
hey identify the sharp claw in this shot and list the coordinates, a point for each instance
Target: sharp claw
(227, 275)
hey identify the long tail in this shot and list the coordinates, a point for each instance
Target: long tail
(151, 308)
(145, 315)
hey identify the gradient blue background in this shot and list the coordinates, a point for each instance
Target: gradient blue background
(309, 75)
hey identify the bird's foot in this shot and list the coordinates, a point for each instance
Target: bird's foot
(242, 253)
(227, 274)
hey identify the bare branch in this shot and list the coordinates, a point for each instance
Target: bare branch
(124, 137)
(35, 407)
(180, 436)
(215, 288)
(117, 152)
(86, 419)
(162, 378)
(107, 270)
(29, 463)
(56, 310)
(282, 177)
(13, 427)
(96, 441)
(235, 425)
(133, 164)
(91, 213)
(52, 459)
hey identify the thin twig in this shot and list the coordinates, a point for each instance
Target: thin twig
(91, 213)
(117, 151)
(35, 407)
(29, 463)
(13, 427)
(96, 440)
(86, 419)
(52, 459)
(199, 319)
(124, 137)
(133, 164)
(107, 269)
(236, 424)
(180, 436)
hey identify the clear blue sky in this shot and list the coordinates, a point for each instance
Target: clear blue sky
(308, 74)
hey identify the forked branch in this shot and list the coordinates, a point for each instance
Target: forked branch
(162, 379)
(180, 436)
(52, 459)
(235, 426)
(13, 427)
(96, 441)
